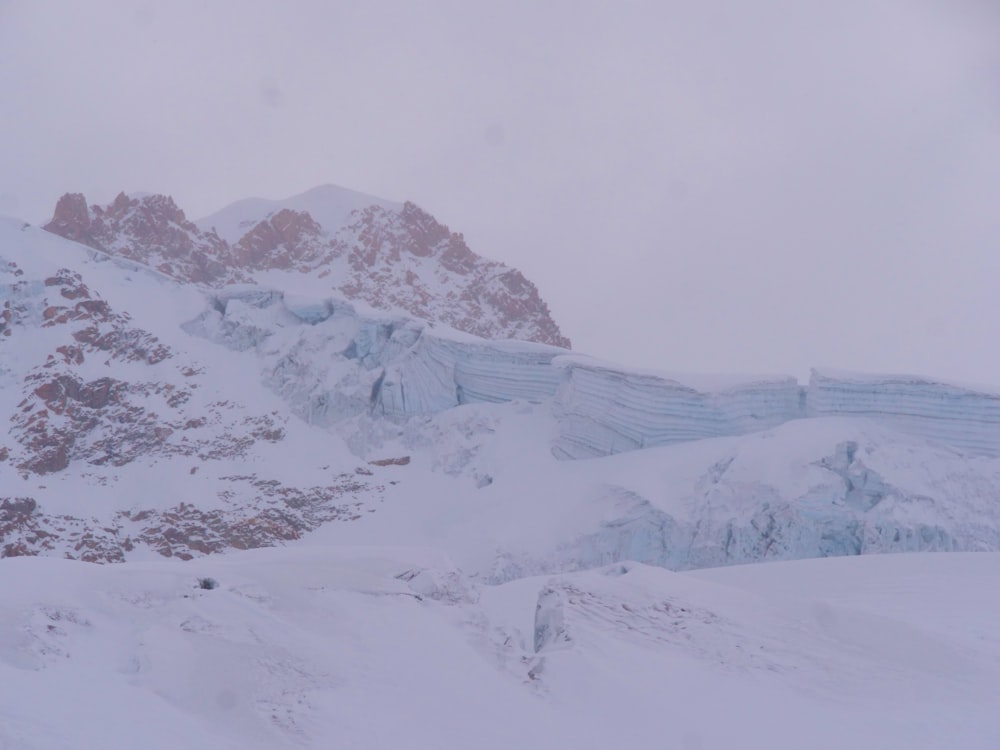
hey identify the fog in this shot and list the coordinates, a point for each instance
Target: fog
(710, 186)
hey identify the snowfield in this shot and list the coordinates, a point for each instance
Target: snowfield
(393, 647)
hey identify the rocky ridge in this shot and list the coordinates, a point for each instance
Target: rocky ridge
(390, 258)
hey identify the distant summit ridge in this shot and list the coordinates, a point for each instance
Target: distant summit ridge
(149, 229)
(389, 255)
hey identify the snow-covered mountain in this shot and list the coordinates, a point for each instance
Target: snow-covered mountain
(483, 541)
(327, 240)
(123, 441)
(264, 414)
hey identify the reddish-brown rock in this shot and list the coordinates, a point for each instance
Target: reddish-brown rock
(150, 229)
(390, 258)
(286, 240)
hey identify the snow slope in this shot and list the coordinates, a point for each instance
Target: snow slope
(495, 498)
(126, 435)
(384, 648)
(329, 205)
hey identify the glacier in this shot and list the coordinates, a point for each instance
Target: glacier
(822, 487)
(705, 470)
(964, 417)
(332, 360)
(677, 471)
(604, 410)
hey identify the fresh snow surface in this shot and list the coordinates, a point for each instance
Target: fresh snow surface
(329, 205)
(391, 647)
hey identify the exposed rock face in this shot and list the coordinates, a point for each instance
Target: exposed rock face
(89, 395)
(390, 258)
(72, 219)
(407, 259)
(93, 397)
(286, 240)
(149, 229)
(142, 403)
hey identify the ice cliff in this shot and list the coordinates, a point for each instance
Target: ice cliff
(966, 418)
(603, 410)
(332, 362)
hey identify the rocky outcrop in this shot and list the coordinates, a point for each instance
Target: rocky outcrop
(107, 392)
(72, 219)
(96, 406)
(255, 513)
(149, 229)
(287, 240)
(408, 260)
(394, 258)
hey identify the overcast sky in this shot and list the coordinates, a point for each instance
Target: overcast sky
(718, 185)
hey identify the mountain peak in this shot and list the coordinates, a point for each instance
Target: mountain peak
(390, 255)
(71, 219)
(155, 204)
(149, 228)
